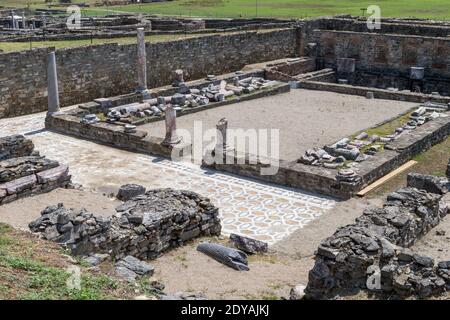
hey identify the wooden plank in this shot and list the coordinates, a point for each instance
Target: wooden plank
(386, 178)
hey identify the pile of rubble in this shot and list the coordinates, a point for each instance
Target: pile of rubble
(185, 98)
(24, 172)
(347, 152)
(143, 227)
(373, 253)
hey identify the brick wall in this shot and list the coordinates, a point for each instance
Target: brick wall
(90, 72)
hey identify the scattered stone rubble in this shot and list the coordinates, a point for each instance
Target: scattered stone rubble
(347, 152)
(373, 253)
(24, 172)
(130, 268)
(185, 98)
(143, 227)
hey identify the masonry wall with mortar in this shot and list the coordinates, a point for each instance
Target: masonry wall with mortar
(386, 54)
(395, 26)
(91, 72)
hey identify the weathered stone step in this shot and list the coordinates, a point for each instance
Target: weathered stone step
(15, 168)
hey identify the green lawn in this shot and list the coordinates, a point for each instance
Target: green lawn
(20, 46)
(439, 9)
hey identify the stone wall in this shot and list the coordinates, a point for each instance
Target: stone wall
(372, 253)
(393, 26)
(143, 227)
(15, 146)
(91, 72)
(386, 53)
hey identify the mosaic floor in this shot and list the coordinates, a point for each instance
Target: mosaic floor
(247, 207)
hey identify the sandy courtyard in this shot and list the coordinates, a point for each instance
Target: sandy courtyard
(305, 118)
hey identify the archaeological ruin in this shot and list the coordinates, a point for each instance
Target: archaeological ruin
(253, 130)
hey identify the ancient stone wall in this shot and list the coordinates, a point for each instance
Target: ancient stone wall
(372, 254)
(91, 72)
(386, 53)
(143, 227)
(397, 26)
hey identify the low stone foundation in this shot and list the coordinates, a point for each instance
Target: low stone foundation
(143, 227)
(372, 254)
(24, 172)
(378, 93)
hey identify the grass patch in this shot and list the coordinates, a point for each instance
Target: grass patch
(435, 9)
(433, 161)
(35, 269)
(388, 127)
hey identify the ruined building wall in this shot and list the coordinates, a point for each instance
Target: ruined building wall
(387, 55)
(396, 26)
(91, 72)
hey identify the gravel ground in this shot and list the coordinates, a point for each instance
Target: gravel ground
(305, 118)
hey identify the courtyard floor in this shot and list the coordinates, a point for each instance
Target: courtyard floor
(304, 118)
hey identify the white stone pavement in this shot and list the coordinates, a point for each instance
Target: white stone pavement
(247, 207)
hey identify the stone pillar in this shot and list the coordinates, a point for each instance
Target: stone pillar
(23, 21)
(141, 61)
(13, 20)
(171, 127)
(222, 143)
(52, 84)
(44, 22)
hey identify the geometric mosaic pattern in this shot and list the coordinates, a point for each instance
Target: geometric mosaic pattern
(262, 211)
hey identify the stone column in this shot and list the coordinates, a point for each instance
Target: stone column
(44, 22)
(23, 21)
(141, 61)
(171, 127)
(222, 143)
(52, 84)
(13, 20)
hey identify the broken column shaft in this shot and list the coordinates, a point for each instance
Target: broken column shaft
(171, 127)
(222, 144)
(52, 84)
